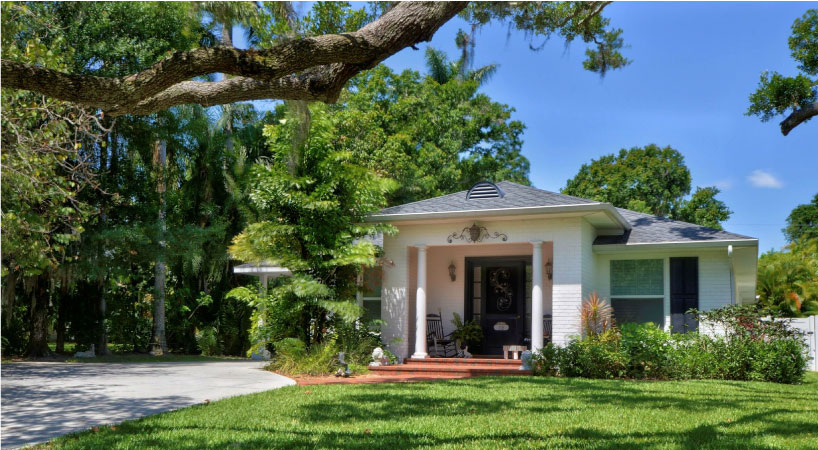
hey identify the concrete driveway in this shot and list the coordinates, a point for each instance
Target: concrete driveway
(42, 400)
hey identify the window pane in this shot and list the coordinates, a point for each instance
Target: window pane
(372, 310)
(637, 277)
(373, 282)
(639, 310)
(476, 273)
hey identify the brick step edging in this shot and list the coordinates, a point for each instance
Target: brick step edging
(465, 361)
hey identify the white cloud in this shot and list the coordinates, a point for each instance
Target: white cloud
(762, 179)
(723, 184)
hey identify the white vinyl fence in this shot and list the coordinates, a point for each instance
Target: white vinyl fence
(809, 325)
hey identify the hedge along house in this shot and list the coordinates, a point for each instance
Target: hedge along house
(520, 260)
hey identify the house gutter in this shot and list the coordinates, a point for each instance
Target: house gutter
(732, 275)
(607, 208)
(605, 248)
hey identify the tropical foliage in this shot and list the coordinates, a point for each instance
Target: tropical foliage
(788, 280)
(596, 315)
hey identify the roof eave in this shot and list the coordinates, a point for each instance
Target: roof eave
(518, 211)
(675, 244)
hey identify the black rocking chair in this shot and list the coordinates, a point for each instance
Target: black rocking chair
(546, 327)
(443, 344)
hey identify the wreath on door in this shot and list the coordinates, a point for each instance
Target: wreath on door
(499, 281)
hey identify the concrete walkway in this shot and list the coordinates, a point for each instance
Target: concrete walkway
(42, 400)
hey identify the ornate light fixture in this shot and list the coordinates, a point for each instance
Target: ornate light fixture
(452, 271)
(475, 233)
(549, 269)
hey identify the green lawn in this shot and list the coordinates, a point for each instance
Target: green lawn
(492, 413)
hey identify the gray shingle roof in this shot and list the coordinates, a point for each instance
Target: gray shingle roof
(517, 196)
(648, 229)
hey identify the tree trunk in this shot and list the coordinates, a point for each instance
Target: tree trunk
(159, 343)
(61, 310)
(102, 339)
(38, 336)
(8, 295)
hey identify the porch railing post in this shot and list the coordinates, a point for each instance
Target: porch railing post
(536, 297)
(420, 299)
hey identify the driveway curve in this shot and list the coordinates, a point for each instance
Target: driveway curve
(43, 400)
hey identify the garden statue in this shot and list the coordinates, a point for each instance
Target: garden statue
(464, 352)
(526, 358)
(379, 357)
(344, 371)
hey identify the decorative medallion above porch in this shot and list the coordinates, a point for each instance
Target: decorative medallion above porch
(474, 234)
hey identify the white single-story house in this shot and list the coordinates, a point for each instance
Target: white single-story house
(520, 260)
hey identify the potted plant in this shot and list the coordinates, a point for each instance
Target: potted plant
(466, 333)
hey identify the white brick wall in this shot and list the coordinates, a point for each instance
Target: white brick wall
(567, 295)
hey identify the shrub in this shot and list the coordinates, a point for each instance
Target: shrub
(750, 348)
(356, 340)
(208, 342)
(293, 358)
(647, 348)
(780, 361)
(594, 357)
(544, 362)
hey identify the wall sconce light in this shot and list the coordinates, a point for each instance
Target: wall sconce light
(549, 269)
(452, 271)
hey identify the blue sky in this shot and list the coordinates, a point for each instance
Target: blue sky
(694, 66)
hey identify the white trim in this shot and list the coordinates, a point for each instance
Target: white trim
(262, 269)
(675, 244)
(521, 210)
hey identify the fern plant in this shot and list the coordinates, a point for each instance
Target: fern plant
(466, 332)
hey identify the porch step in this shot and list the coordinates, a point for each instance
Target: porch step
(453, 367)
(448, 370)
(465, 361)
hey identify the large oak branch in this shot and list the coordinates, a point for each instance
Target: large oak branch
(303, 69)
(798, 117)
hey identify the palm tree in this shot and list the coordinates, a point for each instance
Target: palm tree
(442, 70)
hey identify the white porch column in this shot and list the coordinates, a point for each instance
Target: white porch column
(420, 299)
(264, 284)
(536, 297)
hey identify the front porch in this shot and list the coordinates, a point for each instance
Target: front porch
(501, 286)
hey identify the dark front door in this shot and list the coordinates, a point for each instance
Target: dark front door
(503, 308)
(684, 293)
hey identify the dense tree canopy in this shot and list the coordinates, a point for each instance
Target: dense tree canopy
(802, 223)
(431, 137)
(653, 180)
(794, 97)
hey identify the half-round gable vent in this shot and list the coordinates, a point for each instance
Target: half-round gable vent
(484, 189)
